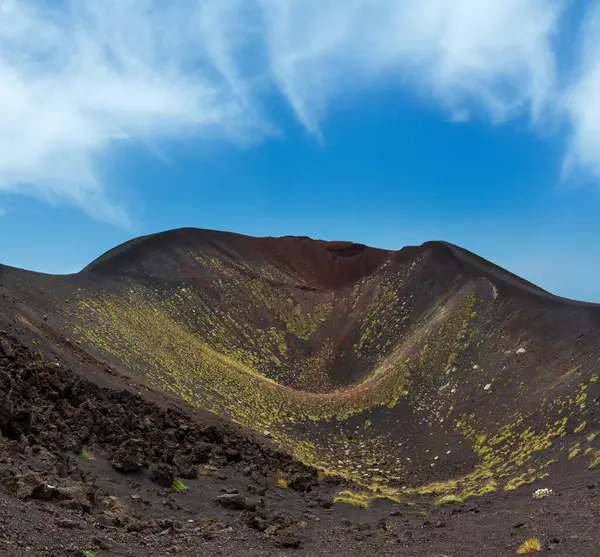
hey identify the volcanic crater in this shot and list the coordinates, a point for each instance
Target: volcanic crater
(426, 375)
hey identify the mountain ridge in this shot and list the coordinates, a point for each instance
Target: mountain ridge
(462, 255)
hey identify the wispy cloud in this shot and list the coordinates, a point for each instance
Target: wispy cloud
(464, 54)
(581, 100)
(78, 77)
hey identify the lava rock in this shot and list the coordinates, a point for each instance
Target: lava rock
(75, 497)
(161, 474)
(236, 502)
(301, 482)
(231, 455)
(129, 457)
(185, 466)
(257, 490)
(202, 452)
(69, 524)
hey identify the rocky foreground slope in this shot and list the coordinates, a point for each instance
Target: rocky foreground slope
(196, 391)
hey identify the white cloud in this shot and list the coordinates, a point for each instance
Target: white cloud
(77, 77)
(464, 53)
(581, 100)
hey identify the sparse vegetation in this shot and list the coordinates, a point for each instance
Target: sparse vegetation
(529, 547)
(321, 475)
(226, 372)
(88, 554)
(448, 500)
(85, 455)
(178, 485)
(486, 489)
(350, 501)
(249, 374)
(516, 483)
(393, 387)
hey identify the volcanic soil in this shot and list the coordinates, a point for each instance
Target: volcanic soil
(204, 393)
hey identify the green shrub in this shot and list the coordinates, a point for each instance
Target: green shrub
(85, 455)
(178, 486)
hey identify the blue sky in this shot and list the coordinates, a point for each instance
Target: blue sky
(388, 123)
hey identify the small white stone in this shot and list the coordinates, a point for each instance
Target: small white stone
(487, 387)
(521, 351)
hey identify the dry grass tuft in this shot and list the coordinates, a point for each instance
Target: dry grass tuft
(353, 502)
(529, 547)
